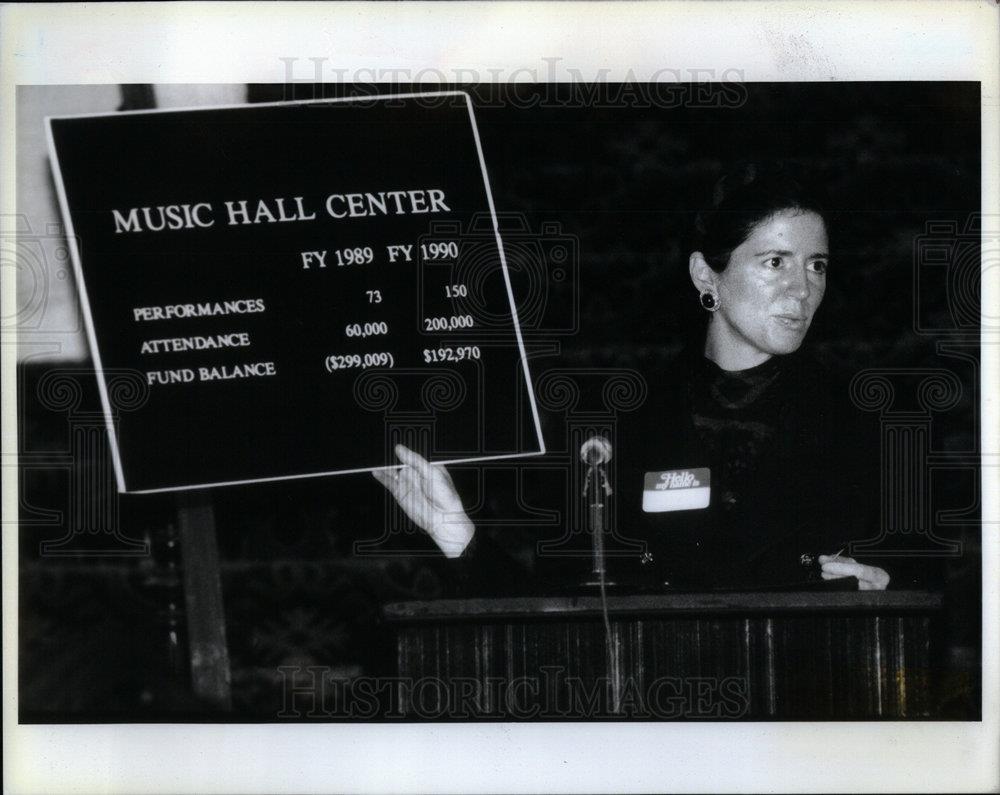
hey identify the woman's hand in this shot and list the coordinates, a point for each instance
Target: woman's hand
(427, 494)
(870, 578)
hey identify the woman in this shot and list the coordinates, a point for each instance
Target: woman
(746, 410)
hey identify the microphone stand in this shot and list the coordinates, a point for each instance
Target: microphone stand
(597, 488)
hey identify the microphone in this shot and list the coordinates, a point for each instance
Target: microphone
(595, 451)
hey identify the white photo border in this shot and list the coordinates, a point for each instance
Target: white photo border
(158, 43)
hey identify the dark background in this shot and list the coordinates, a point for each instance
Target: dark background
(615, 178)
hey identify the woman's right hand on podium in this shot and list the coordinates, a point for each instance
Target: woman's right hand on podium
(427, 495)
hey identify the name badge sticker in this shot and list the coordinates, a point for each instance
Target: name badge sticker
(676, 490)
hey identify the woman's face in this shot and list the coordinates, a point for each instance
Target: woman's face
(769, 291)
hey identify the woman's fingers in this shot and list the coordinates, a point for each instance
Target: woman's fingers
(841, 567)
(870, 578)
(415, 460)
(436, 482)
(402, 485)
(421, 497)
(427, 495)
(443, 491)
(879, 578)
(412, 495)
(388, 478)
(835, 559)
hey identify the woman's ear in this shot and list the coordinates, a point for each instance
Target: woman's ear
(701, 272)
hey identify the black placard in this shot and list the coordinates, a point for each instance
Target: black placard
(252, 309)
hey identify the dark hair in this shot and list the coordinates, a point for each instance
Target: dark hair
(743, 199)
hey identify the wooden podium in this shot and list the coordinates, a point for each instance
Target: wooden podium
(695, 656)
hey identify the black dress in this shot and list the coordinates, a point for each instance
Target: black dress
(791, 466)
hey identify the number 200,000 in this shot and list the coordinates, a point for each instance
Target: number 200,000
(447, 323)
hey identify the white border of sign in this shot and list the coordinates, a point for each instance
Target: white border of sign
(89, 320)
